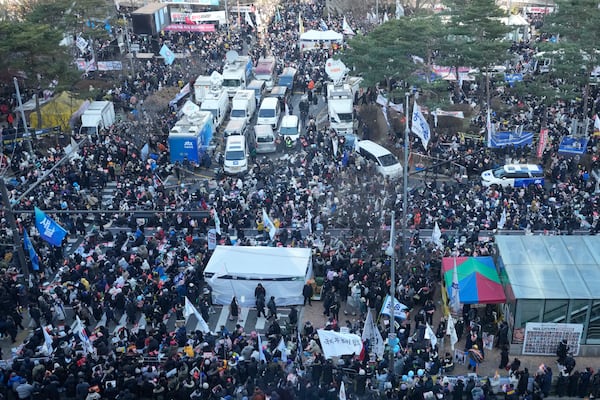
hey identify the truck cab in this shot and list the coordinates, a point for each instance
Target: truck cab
(340, 107)
(236, 74)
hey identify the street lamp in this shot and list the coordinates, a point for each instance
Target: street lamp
(391, 253)
(405, 175)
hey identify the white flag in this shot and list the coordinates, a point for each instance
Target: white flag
(282, 349)
(455, 290)
(420, 126)
(596, 124)
(47, 348)
(385, 17)
(309, 218)
(399, 308)
(269, 224)
(342, 395)
(399, 10)
(502, 221)
(249, 20)
(490, 128)
(141, 325)
(217, 222)
(430, 334)
(86, 343)
(436, 236)
(189, 310)
(451, 331)
(346, 29)
(372, 334)
(261, 352)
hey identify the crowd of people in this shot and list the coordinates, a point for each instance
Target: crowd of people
(127, 268)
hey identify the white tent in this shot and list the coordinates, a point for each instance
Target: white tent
(312, 38)
(237, 270)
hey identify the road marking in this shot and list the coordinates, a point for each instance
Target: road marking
(260, 323)
(244, 314)
(222, 318)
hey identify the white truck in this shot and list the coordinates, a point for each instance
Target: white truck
(340, 107)
(243, 105)
(237, 73)
(99, 115)
(217, 102)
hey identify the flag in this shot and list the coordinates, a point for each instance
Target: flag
(277, 16)
(346, 29)
(420, 126)
(430, 334)
(189, 310)
(372, 334)
(398, 308)
(49, 229)
(167, 54)
(502, 221)
(144, 152)
(300, 24)
(342, 395)
(596, 124)
(47, 348)
(399, 10)
(141, 325)
(282, 349)
(217, 222)
(451, 331)
(385, 17)
(336, 344)
(269, 224)
(309, 219)
(490, 128)
(323, 25)
(248, 19)
(79, 330)
(261, 352)
(436, 235)
(455, 292)
(35, 260)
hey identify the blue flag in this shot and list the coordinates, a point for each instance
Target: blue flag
(35, 260)
(167, 54)
(49, 229)
(323, 25)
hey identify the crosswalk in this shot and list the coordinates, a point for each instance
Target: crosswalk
(247, 319)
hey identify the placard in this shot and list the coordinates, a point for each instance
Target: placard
(543, 338)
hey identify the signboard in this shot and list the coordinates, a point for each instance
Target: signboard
(110, 66)
(242, 8)
(180, 16)
(539, 10)
(543, 338)
(84, 65)
(335, 69)
(81, 43)
(512, 78)
(190, 28)
(542, 142)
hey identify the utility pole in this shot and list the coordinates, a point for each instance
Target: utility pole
(391, 251)
(405, 179)
(12, 224)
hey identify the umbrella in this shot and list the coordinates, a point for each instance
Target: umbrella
(478, 280)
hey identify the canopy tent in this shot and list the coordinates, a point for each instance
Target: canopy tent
(57, 112)
(237, 270)
(315, 39)
(478, 280)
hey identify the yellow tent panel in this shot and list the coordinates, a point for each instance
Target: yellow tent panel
(56, 112)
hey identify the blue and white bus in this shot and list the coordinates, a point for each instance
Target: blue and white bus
(515, 175)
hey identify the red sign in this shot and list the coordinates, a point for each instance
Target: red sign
(542, 142)
(190, 28)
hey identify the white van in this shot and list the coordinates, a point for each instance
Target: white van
(265, 139)
(387, 163)
(268, 113)
(290, 128)
(259, 90)
(217, 102)
(515, 175)
(236, 155)
(235, 127)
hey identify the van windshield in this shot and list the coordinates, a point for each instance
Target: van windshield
(264, 139)
(289, 130)
(266, 113)
(238, 113)
(234, 155)
(345, 117)
(231, 82)
(387, 160)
